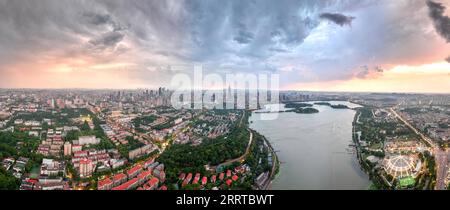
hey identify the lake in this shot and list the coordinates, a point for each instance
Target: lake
(314, 149)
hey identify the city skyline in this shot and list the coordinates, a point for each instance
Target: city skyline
(343, 46)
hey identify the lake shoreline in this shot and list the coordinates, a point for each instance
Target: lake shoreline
(274, 134)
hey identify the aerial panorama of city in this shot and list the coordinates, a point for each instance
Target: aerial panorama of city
(225, 95)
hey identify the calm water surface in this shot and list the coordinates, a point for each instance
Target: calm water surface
(314, 149)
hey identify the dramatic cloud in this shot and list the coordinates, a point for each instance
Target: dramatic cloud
(109, 39)
(367, 72)
(379, 69)
(98, 19)
(382, 36)
(440, 21)
(140, 41)
(238, 35)
(244, 37)
(338, 19)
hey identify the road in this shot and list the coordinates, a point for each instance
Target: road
(242, 118)
(423, 137)
(441, 158)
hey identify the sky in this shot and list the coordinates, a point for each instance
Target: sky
(319, 45)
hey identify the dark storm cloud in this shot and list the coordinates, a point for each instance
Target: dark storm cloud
(232, 35)
(244, 37)
(365, 72)
(103, 19)
(230, 32)
(238, 34)
(387, 39)
(278, 50)
(98, 19)
(93, 31)
(110, 39)
(440, 21)
(51, 29)
(337, 18)
(379, 69)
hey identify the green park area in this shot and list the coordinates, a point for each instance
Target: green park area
(406, 182)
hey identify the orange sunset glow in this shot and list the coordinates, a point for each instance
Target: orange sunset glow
(428, 78)
(387, 46)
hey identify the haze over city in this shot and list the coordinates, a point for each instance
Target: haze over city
(369, 45)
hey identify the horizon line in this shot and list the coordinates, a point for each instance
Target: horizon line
(284, 90)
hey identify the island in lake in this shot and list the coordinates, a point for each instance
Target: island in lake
(297, 105)
(338, 106)
(300, 108)
(322, 103)
(307, 110)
